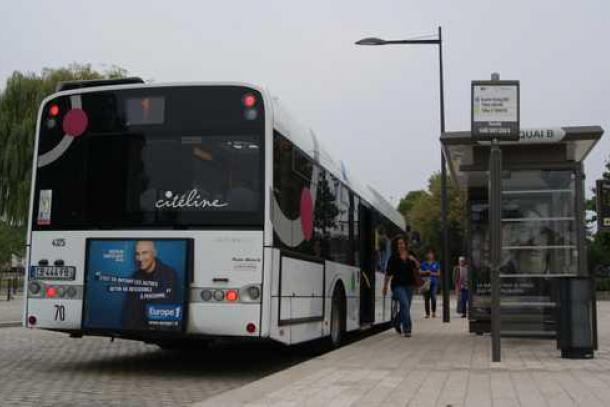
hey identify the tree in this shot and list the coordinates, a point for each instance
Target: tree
(591, 204)
(422, 212)
(19, 102)
(406, 204)
(11, 243)
(598, 246)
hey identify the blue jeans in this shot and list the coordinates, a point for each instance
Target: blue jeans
(464, 300)
(404, 295)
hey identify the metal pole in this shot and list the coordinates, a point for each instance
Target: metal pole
(445, 251)
(495, 230)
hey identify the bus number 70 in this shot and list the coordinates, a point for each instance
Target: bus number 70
(60, 313)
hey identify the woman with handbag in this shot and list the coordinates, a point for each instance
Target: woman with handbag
(403, 272)
(431, 271)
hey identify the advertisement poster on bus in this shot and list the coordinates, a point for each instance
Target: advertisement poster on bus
(136, 285)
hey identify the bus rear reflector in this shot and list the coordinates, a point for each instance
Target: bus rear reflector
(251, 328)
(32, 320)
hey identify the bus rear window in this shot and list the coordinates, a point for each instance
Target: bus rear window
(152, 157)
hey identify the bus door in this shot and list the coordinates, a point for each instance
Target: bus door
(367, 266)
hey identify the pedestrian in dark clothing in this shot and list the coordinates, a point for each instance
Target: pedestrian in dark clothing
(401, 271)
(460, 276)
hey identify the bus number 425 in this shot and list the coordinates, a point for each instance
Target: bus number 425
(60, 313)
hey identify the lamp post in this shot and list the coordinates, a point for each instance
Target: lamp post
(445, 252)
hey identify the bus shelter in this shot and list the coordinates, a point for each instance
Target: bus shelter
(543, 222)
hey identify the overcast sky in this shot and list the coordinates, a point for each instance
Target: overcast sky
(376, 108)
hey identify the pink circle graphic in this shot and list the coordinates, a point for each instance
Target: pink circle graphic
(306, 213)
(75, 122)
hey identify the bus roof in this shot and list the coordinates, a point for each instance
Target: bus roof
(303, 137)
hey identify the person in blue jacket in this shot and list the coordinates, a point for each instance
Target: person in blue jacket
(430, 270)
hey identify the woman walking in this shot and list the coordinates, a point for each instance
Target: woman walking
(402, 271)
(430, 271)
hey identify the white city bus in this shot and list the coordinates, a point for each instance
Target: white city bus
(166, 213)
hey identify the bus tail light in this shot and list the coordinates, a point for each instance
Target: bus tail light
(249, 100)
(247, 294)
(251, 328)
(51, 292)
(231, 295)
(53, 110)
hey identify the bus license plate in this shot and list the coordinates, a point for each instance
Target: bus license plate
(54, 272)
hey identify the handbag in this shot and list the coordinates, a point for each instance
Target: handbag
(425, 288)
(419, 281)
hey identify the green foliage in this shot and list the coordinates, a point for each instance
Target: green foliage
(422, 212)
(19, 102)
(591, 204)
(598, 247)
(406, 204)
(602, 284)
(12, 241)
(598, 251)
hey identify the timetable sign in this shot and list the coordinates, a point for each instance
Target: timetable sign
(495, 110)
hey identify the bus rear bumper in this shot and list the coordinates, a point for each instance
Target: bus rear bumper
(225, 319)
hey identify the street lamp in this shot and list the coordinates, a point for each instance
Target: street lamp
(445, 252)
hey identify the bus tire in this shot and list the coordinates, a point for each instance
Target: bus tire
(337, 316)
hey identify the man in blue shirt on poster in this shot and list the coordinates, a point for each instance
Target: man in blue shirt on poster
(153, 283)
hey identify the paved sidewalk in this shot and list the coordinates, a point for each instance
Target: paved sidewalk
(11, 311)
(441, 365)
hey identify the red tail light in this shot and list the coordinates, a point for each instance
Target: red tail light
(251, 328)
(51, 292)
(249, 100)
(231, 295)
(53, 110)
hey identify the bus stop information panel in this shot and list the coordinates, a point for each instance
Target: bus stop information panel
(543, 224)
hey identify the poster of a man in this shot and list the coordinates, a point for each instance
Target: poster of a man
(153, 282)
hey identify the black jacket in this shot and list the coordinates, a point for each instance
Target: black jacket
(401, 271)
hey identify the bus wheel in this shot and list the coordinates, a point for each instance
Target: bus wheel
(337, 317)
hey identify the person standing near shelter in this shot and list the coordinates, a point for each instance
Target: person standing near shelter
(403, 272)
(430, 271)
(460, 276)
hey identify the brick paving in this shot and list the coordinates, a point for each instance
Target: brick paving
(441, 365)
(44, 368)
